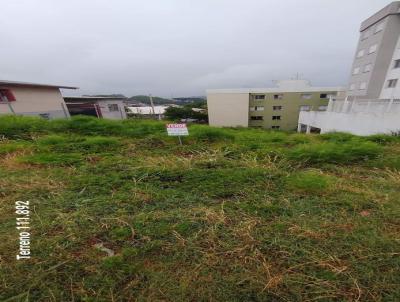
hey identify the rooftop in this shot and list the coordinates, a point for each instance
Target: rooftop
(391, 9)
(92, 98)
(282, 86)
(17, 83)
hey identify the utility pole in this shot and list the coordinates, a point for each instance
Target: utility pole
(152, 105)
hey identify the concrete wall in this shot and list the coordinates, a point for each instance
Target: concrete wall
(36, 101)
(356, 123)
(228, 109)
(114, 115)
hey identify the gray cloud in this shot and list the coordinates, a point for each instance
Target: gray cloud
(178, 47)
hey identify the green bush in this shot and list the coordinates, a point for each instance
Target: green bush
(13, 126)
(382, 139)
(335, 152)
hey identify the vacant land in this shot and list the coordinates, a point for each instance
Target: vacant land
(231, 215)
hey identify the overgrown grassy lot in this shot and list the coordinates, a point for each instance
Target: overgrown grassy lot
(231, 215)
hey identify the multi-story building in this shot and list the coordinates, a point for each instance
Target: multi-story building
(376, 68)
(269, 108)
(372, 104)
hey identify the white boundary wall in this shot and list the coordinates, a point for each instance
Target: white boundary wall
(357, 117)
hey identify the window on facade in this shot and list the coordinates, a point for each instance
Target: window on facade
(276, 127)
(276, 117)
(379, 27)
(373, 48)
(278, 96)
(356, 70)
(392, 83)
(363, 86)
(305, 108)
(276, 108)
(257, 108)
(6, 95)
(259, 97)
(323, 96)
(365, 34)
(45, 115)
(360, 53)
(257, 118)
(113, 107)
(352, 87)
(322, 108)
(396, 63)
(367, 68)
(306, 96)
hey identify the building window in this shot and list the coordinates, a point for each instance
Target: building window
(356, 70)
(365, 34)
(276, 127)
(363, 86)
(392, 83)
(276, 117)
(305, 108)
(322, 108)
(323, 96)
(276, 108)
(373, 48)
(257, 108)
(257, 118)
(360, 54)
(352, 87)
(6, 95)
(45, 115)
(379, 27)
(306, 96)
(112, 107)
(367, 68)
(278, 96)
(396, 63)
(259, 97)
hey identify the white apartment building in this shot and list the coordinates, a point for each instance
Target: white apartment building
(372, 102)
(375, 70)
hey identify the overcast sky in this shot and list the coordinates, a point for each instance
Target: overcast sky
(179, 47)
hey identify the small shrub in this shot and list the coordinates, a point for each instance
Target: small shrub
(382, 139)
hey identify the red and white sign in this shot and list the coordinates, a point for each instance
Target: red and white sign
(177, 130)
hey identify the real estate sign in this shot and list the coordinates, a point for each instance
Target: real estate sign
(177, 130)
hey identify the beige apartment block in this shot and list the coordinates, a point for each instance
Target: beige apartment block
(32, 99)
(269, 108)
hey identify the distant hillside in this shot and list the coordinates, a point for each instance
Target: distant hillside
(144, 99)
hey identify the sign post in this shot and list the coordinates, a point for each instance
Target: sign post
(177, 130)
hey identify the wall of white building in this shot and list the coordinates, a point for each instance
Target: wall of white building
(360, 118)
(107, 112)
(393, 73)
